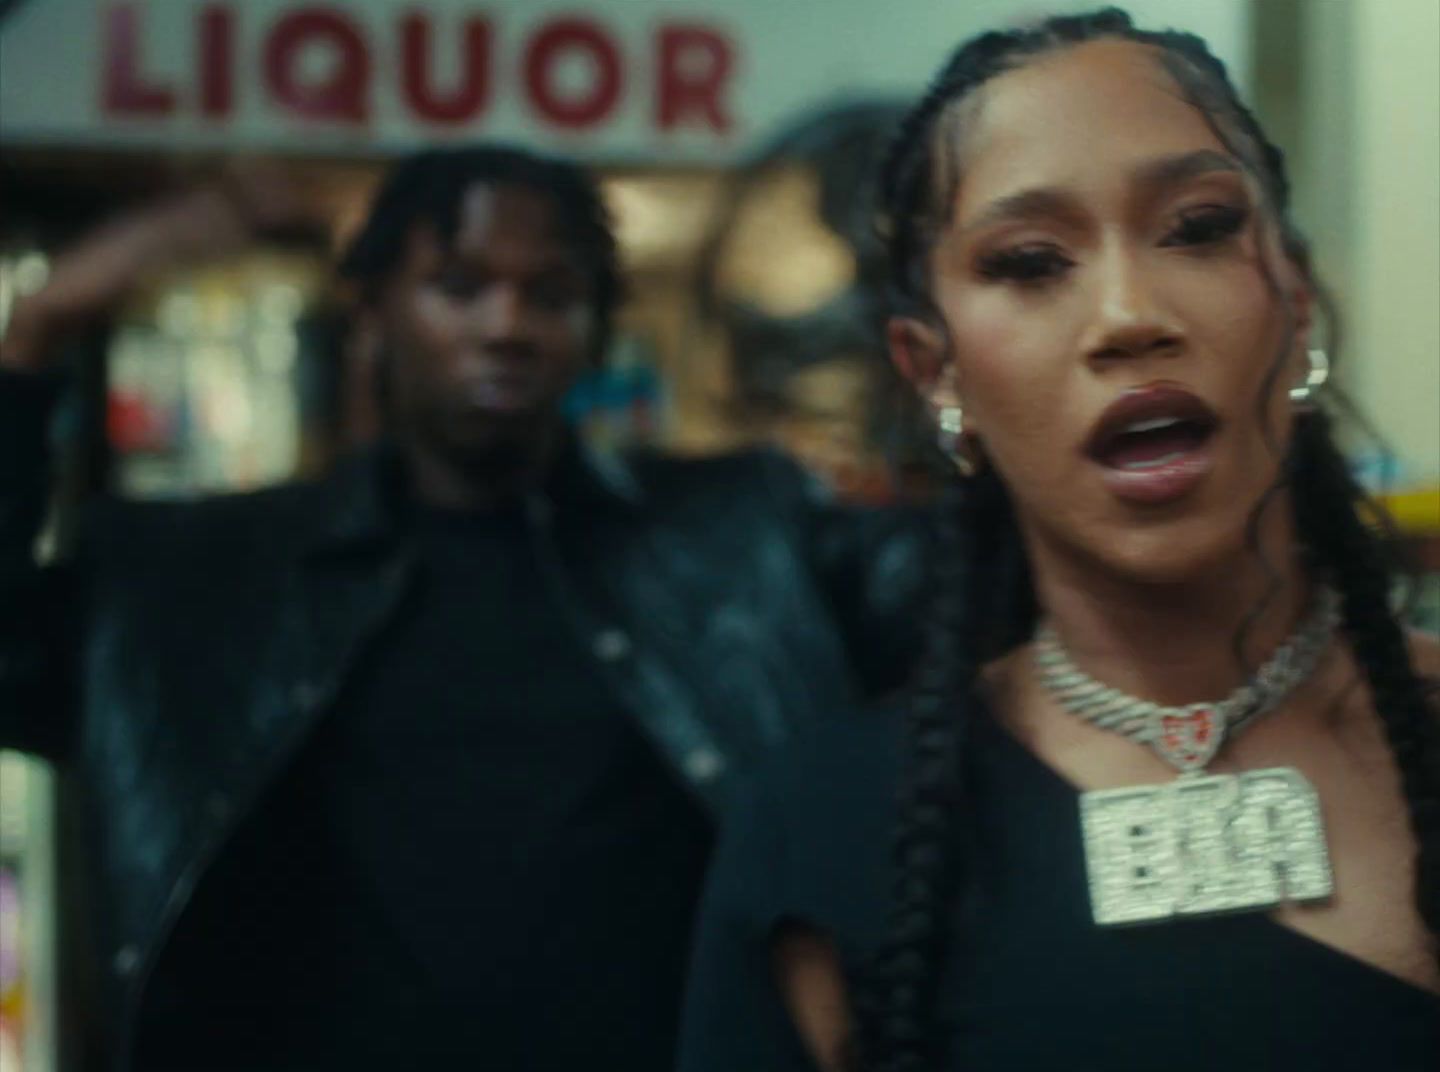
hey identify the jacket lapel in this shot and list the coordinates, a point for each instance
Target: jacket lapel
(351, 574)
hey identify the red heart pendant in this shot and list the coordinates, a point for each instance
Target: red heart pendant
(1190, 740)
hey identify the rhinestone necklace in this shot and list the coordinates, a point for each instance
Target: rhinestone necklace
(1188, 737)
(1202, 844)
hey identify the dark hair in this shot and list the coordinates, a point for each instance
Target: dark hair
(429, 188)
(986, 603)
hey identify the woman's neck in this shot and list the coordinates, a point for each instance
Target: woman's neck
(1174, 643)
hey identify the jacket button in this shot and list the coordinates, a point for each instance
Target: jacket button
(610, 645)
(704, 764)
(127, 959)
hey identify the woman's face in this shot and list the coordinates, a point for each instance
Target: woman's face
(1103, 277)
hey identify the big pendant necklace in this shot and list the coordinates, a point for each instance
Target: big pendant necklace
(1204, 843)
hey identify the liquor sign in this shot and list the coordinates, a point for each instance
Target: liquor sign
(319, 63)
(616, 80)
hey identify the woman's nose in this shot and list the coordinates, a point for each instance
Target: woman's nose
(1129, 320)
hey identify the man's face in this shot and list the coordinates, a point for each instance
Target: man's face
(485, 333)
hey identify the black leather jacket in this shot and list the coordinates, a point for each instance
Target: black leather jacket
(185, 651)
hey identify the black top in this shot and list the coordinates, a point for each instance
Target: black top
(1033, 983)
(477, 862)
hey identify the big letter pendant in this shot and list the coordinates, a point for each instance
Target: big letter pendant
(1204, 844)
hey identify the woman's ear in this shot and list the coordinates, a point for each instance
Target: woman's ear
(917, 352)
(1301, 297)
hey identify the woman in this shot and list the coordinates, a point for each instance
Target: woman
(1169, 789)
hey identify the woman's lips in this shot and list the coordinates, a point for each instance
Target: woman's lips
(1163, 482)
(1152, 443)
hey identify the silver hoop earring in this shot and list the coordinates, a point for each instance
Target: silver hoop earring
(951, 439)
(1316, 376)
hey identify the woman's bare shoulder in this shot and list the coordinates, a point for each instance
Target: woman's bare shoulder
(810, 977)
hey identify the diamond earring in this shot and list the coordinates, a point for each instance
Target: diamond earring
(951, 440)
(1316, 377)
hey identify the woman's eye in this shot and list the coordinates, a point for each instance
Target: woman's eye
(1024, 264)
(1207, 225)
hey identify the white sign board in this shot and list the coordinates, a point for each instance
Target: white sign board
(699, 81)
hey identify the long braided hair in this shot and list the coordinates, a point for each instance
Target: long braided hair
(985, 603)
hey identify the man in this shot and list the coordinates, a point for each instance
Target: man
(418, 766)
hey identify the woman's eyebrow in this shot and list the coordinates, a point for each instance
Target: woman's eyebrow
(1049, 202)
(1173, 170)
(1043, 202)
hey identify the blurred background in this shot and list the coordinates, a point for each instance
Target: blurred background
(734, 139)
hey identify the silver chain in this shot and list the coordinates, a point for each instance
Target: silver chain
(1155, 724)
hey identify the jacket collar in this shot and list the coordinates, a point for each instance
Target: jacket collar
(364, 499)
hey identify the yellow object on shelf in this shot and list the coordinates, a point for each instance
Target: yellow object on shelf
(1415, 512)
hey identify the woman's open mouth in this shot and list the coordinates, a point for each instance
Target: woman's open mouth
(1152, 443)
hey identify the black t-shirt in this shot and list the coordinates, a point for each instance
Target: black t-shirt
(478, 859)
(1030, 981)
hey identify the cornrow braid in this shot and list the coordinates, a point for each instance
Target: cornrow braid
(910, 210)
(986, 603)
(897, 992)
(1327, 507)
(982, 591)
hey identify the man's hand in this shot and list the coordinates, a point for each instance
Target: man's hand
(92, 277)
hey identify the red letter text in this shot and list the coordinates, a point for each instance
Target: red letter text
(693, 66)
(339, 94)
(125, 89)
(468, 99)
(217, 61)
(547, 48)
